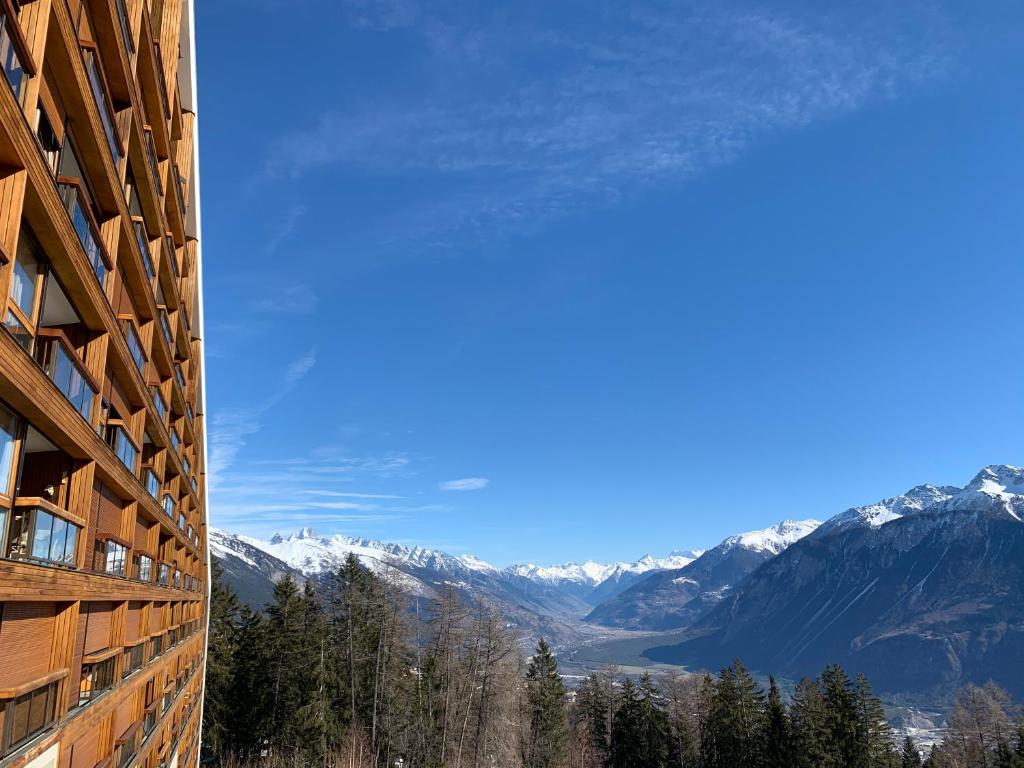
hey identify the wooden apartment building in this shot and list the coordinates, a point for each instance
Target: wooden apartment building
(103, 550)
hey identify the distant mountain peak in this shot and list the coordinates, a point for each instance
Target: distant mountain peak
(775, 538)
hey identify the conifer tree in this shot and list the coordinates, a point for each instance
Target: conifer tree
(778, 749)
(547, 737)
(250, 692)
(808, 724)
(221, 639)
(654, 740)
(626, 728)
(286, 663)
(874, 737)
(841, 721)
(910, 755)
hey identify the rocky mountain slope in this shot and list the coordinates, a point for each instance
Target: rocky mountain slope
(922, 593)
(671, 599)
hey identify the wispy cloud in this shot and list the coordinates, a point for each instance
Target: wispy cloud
(231, 428)
(677, 89)
(294, 299)
(465, 484)
(286, 227)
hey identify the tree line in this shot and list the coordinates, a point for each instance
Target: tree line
(349, 674)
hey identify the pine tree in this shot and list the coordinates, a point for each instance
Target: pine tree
(910, 755)
(250, 692)
(874, 737)
(778, 749)
(654, 746)
(626, 728)
(841, 722)
(221, 639)
(548, 735)
(592, 705)
(808, 723)
(287, 662)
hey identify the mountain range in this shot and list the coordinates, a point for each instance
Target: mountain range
(921, 591)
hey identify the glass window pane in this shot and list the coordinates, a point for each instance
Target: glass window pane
(37, 719)
(23, 282)
(58, 539)
(8, 433)
(41, 535)
(19, 724)
(69, 548)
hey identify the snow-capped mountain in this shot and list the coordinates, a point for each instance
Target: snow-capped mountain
(541, 600)
(929, 599)
(670, 599)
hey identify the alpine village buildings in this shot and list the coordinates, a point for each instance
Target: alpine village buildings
(103, 550)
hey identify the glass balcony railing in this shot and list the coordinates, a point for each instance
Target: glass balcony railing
(165, 326)
(152, 483)
(40, 535)
(175, 440)
(172, 255)
(158, 403)
(86, 229)
(169, 506)
(140, 238)
(14, 68)
(126, 451)
(134, 345)
(154, 166)
(126, 32)
(64, 370)
(179, 375)
(99, 93)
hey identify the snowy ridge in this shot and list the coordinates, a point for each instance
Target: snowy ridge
(773, 539)
(997, 485)
(593, 574)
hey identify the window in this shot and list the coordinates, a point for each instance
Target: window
(96, 678)
(99, 92)
(134, 658)
(175, 440)
(38, 535)
(26, 285)
(29, 714)
(158, 403)
(48, 140)
(118, 440)
(181, 521)
(169, 506)
(156, 647)
(134, 345)
(143, 568)
(64, 370)
(10, 59)
(165, 326)
(152, 484)
(110, 558)
(8, 436)
(140, 237)
(163, 576)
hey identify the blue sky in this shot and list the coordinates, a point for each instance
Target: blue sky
(553, 281)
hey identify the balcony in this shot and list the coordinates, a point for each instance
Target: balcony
(103, 105)
(179, 375)
(85, 226)
(29, 714)
(97, 676)
(14, 69)
(140, 238)
(122, 445)
(65, 370)
(134, 659)
(172, 255)
(41, 534)
(134, 344)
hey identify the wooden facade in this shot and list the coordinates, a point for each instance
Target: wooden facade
(103, 551)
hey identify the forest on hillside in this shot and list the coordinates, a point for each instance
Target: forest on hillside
(349, 677)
